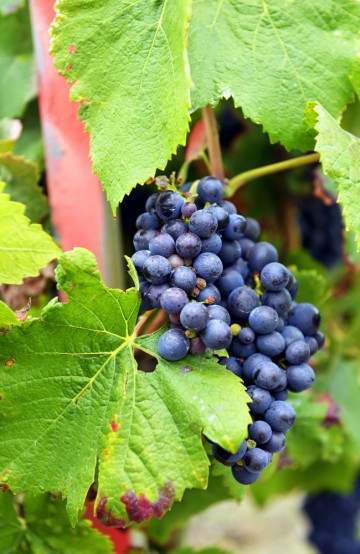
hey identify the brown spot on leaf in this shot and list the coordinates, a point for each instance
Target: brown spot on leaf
(71, 48)
(186, 369)
(4, 487)
(68, 67)
(114, 426)
(9, 363)
(140, 508)
(71, 286)
(106, 516)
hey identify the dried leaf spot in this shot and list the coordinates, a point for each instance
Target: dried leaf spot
(186, 369)
(114, 426)
(4, 487)
(9, 363)
(71, 48)
(68, 67)
(139, 508)
(106, 516)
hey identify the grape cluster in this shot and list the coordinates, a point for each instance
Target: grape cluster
(200, 262)
(334, 520)
(322, 230)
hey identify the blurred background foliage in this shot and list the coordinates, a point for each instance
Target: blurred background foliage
(298, 212)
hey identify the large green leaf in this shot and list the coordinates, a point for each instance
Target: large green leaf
(273, 57)
(17, 66)
(74, 397)
(340, 158)
(24, 248)
(21, 177)
(40, 526)
(129, 63)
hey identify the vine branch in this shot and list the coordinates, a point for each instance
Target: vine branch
(243, 178)
(212, 136)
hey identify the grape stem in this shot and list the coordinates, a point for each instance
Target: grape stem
(213, 142)
(239, 180)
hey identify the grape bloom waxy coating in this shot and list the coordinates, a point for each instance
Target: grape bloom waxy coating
(200, 262)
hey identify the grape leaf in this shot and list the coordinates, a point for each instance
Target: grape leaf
(72, 395)
(17, 66)
(44, 528)
(24, 248)
(339, 154)
(272, 58)
(313, 286)
(132, 78)
(7, 316)
(21, 177)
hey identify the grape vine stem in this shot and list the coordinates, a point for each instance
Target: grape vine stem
(212, 136)
(239, 180)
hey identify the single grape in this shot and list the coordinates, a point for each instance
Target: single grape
(228, 458)
(188, 209)
(246, 335)
(280, 395)
(216, 335)
(241, 302)
(292, 285)
(148, 221)
(241, 267)
(203, 223)
(235, 228)
(291, 334)
(228, 206)
(194, 317)
(280, 326)
(255, 460)
(151, 202)
(197, 346)
(184, 278)
(230, 251)
(298, 352)
(243, 476)
(209, 292)
(218, 312)
(232, 365)
(245, 245)
(145, 300)
(221, 215)
(274, 276)
(252, 362)
(156, 269)
(276, 443)
(162, 244)
(260, 431)
(188, 245)
(142, 238)
(241, 350)
(173, 300)
(313, 345)
(155, 292)
(175, 228)
(175, 261)
(267, 375)
(139, 258)
(320, 339)
(173, 345)
(210, 189)
(261, 399)
(260, 255)
(280, 416)
(306, 317)
(280, 301)
(271, 345)
(300, 377)
(208, 266)
(252, 229)
(263, 320)
(229, 280)
(212, 244)
(168, 205)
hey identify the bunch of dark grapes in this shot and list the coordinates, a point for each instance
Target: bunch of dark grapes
(322, 230)
(334, 519)
(200, 262)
